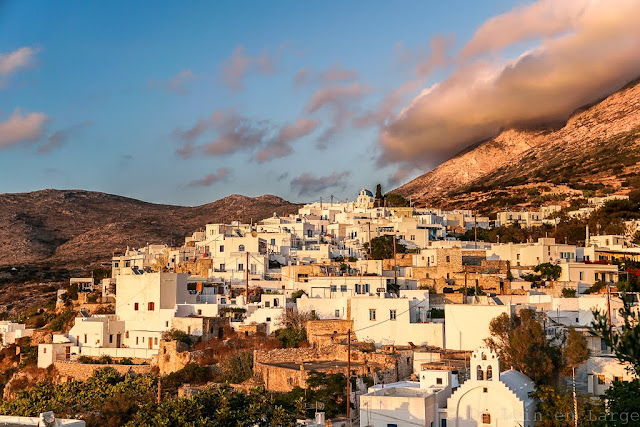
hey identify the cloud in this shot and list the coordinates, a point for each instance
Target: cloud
(336, 97)
(542, 19)
(424, 60)
(595, 52)
(280, 146)
(58, 138)
(221, 174)
(339, 102)
(308, 185)
(16, 60)
(235, 132)
(336, 73)
(177, 84)
(240, 64)
(22, 128)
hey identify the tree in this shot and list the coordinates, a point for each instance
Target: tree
(395, 200)
(555, 407)
(548, 271)
(294, 331)
(568, 293)
(379, 196)
(521, 343)
(575, 350)
(382, 247)
(624, 342)
(238, 367)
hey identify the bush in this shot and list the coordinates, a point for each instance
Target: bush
(105, 360)
(126, 361)
(237, 368)
(177, 335)
(61, 320)
(568, 293)
(86, 360)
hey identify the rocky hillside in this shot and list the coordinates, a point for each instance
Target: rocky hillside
(74, 227)
(598, 148)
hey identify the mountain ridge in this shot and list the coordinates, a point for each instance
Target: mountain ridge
(500, 163)
(78, 227)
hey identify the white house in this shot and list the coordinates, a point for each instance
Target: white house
(467, 325)
(409, 403)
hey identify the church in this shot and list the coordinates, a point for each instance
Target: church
(491, 398)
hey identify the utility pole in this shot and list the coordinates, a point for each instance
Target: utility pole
(159, 389)
(464, 301)
(575, 398)
(246, 267)
(475, 229)
(349, 376)
(369, 238)
(395, 264)
(609, 314)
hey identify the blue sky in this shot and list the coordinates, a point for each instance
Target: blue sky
(116, 83)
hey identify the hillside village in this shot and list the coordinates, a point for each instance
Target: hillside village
(386, 296)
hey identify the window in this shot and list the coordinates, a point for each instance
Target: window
(601, 379)
(240, 267)
(617, 378)
(413, 237)
(372, 314)
(343, 288)
(479, 373)
(267, 304)
(85, 338)
(439, 381)
(489, 372)
(337, 313)
(155, 340)
(392, 425)
(273, 241)
(486, 418)
(115, 264)
(447, 258)
(127, 263)
(334, 288)
(268, 319)
(126, 334)
(166, 324)
(392, 315)
(366, 288)
(222, 267)
(151, 306)
(135, 306)
(221, 248)
(241, 248)
(136, 340)
(517, 256)
(199, 312)
(485, 390)
(581, 275)
(110, 338)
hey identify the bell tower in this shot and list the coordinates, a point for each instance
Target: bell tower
(485, 365)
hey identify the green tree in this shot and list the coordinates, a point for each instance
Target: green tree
(548, 271)
(555, 407)
(521, 343)
(293, 331)
(382, 247)
(395, 200)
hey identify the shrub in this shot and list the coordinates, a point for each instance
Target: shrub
(568, 293)
(177, 335)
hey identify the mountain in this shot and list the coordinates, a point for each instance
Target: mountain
(75, 227)
(598, 148)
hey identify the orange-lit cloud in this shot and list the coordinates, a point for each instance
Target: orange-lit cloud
(21, 128)
(590, 50)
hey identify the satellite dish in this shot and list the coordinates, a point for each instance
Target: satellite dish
(254, 234)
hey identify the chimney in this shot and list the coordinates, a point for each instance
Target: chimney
(586, 237)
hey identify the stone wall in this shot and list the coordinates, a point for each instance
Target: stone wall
(173, 356)
(199, 267)
(82, 371)
(322, 333)
(205, 327)
(284, 369)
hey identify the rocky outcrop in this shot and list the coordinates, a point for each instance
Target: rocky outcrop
(599, 143)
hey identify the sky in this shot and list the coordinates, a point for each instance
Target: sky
(185, 103)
